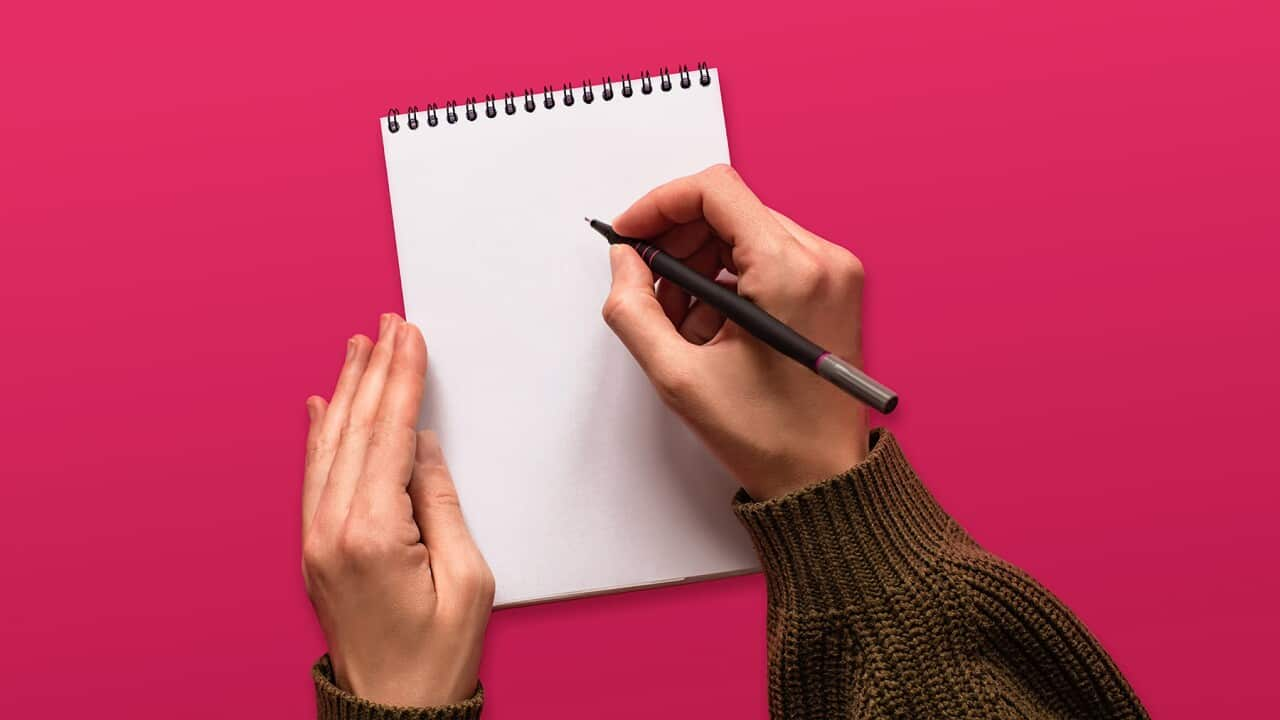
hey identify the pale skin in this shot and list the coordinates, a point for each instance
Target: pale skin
(400, 589)
(403, 594)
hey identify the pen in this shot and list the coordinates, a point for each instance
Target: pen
(755, 320)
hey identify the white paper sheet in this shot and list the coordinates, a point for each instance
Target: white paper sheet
(573, 476)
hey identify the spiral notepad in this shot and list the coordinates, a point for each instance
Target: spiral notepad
(573, 476)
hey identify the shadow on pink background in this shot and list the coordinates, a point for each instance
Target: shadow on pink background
(1068, 212)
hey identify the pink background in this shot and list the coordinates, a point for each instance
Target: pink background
(1068, 212)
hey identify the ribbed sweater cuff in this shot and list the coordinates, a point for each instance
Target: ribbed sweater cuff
(334, 703)
(851, 539)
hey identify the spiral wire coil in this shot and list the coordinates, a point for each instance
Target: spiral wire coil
(567, 98)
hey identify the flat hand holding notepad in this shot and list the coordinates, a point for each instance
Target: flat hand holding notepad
(573, 476)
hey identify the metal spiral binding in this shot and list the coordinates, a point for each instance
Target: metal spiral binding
(567, 97)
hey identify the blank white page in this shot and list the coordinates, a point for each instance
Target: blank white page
(573, 476)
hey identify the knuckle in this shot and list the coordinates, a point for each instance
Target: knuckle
(359, 544)
(723, 172)
(847, 265)
(753, 286)
(471, 578)
(809, 276)
(488, 586)
(318, 448)
(413, 335)
(617, 307)
(429, 464)
(473, 584)
(439, 496)
(316, 555)
(355, 429)
(745, 255)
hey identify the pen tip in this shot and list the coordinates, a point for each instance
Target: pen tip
(587, 219)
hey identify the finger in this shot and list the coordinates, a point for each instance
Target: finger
(718, 196)
(726, 258)
(348, 461)
(634, 314)
(312, 483)
(324, 445)
(438, 512)
(674, 301)
(685, 239)
(705, 261)
(702, 323)
(389, 458)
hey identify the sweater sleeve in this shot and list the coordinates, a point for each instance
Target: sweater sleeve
(880, 605)
(334, 703)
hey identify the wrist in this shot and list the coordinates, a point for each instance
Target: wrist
(337, 701)
(406, 684)
(799, 469)
(851, 539)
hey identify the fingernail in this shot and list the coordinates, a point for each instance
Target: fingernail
(382, 324)
(351, 348)
(311, 410)
(402, 332)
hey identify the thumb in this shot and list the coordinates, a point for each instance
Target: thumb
(439, 514)
(634, 314)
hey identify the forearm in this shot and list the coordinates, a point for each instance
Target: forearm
(881, 605)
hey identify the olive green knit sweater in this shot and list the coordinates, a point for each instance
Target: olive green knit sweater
(881, 606)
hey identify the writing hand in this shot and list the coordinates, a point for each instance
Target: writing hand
(400, 589)
(774, 424)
